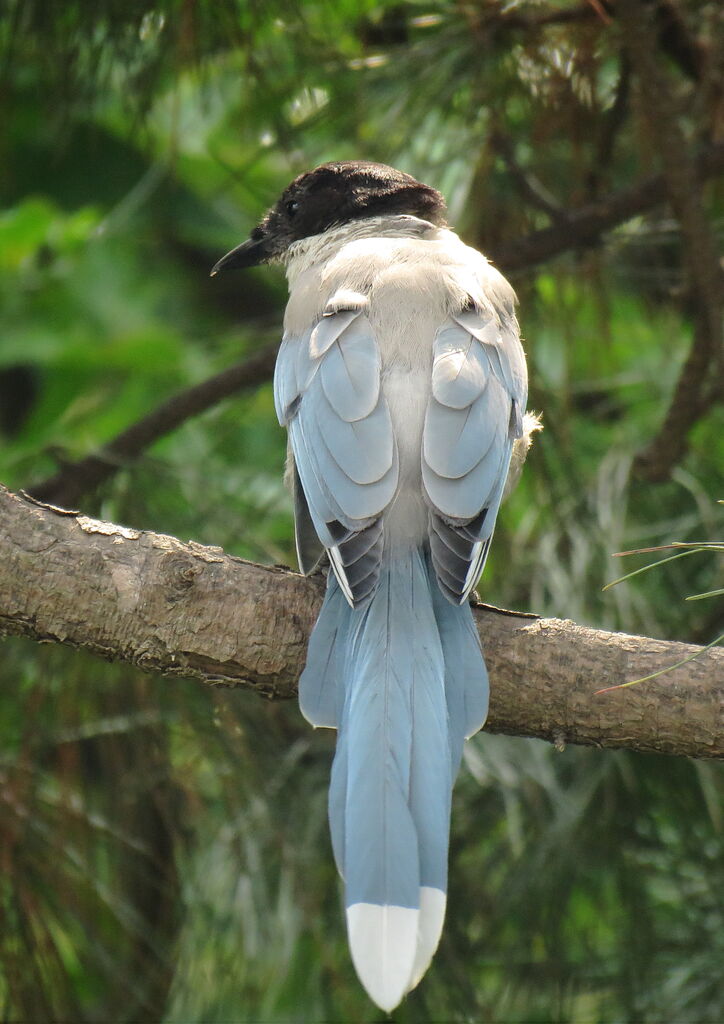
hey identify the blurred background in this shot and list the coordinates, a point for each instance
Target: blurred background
(163, 846)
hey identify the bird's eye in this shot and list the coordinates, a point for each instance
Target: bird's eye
(292, 207)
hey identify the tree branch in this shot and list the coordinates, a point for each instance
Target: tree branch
(611, 124)
(188, 610)
(531, 190)
(75, 479)
(699, 384)
(583, 227)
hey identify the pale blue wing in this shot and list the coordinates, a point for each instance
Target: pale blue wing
(500, 337)
(370, 438)
(327, 392)
(350, 373)
(479, 392)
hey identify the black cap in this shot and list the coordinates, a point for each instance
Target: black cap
(332, 194)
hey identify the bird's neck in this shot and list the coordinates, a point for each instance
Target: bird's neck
(302, 255)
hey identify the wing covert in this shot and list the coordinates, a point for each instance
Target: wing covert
(327, 392)
(479, 393)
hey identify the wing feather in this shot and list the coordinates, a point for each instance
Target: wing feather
(456, 440)
(327, 392)
(479, 389)
(286, 388)
(461, 498)
(363, 448)
(501, 338)
(309, 548)
(458, 377)
(328, 329)
(351, 371)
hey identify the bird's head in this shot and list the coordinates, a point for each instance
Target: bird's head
(330, 195)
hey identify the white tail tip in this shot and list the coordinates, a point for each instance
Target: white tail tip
(429, 929)
(383, 942)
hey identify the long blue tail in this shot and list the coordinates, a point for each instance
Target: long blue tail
(404, 682)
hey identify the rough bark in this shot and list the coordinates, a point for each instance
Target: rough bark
(189, 610)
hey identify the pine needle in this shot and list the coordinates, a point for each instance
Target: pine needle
(661, 671)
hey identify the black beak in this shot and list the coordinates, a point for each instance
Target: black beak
(248, 254)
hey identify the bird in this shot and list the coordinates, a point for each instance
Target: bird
(402, 383)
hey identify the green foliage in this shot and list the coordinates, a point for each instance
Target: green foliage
(164, 848)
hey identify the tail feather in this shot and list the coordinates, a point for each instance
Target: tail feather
(403, 680)
(467, 689)
(381, 851)
(338, 800)
(319, 684)
(381, 862)
(429, 929)
(383, 943)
